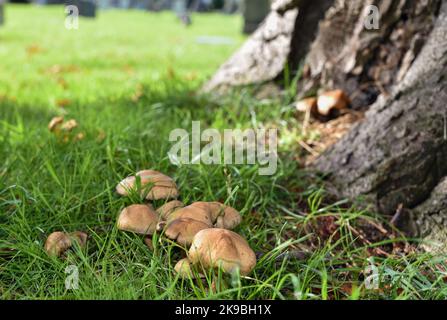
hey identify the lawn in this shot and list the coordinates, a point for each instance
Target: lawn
(129, 78)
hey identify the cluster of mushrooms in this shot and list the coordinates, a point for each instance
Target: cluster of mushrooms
(202, 227)
(65, 129)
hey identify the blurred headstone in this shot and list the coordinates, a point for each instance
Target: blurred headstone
(200, 5)
(104, 4)
(86, 8)
(254, 12)
(232, 6)
(218, 4)
(43, 2)
(124, 4)
(157, 5)
(2, 13)
(180, 7)
(140, 4)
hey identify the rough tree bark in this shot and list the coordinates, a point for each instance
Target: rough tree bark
(397, 155)
(263, 57)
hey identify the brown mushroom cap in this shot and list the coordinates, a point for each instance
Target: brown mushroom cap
(222, 216)
(69, 125)
(184, 268)
(138, 218)
(58, 242)
(192, 212)
(307, 105)
(332, 100)
(183, 230)
(154, 185)
(55, 123)
(165, 210)
(80, 237)
(216, 247)
(148, 242)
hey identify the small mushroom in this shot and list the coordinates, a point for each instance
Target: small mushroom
(332, 100)
(148, 242)
(79, 137)
(154, 185)
(216, 247)
(80, 237)
(55, 123)
(58, 242)
(138, 218)
(69, 125)
(165, 210)
(184, 268)
(307, 105)
(183, 230)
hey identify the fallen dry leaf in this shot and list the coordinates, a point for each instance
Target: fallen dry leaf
(58, 69)
(33, 49)
(138, 93)
(101, 136)
(62, 103)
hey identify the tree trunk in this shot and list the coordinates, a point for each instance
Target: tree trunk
(263, 57)
(397, 154)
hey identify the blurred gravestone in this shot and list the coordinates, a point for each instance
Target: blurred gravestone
(86, 8)
(254, 12)
(158, 5)
(43, 2)
(2, 13)
(231, 6)
(141, 4)
(181, 9)
(104, 4)
(200, 5)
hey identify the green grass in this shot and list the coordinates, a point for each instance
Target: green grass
(129, 78)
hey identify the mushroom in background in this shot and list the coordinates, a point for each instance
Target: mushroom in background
(70, 125)
(153, 185)
(327, 104)
(307, 105)
(165, 210)
(55, 123)
(332, 101)
(59, 242)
